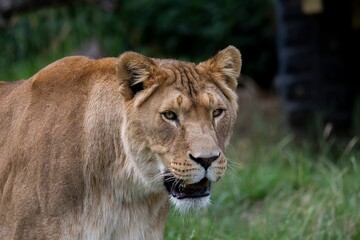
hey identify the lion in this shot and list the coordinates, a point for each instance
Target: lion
(99, 149)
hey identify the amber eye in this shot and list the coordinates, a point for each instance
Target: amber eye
(217, 112)
(170, 115)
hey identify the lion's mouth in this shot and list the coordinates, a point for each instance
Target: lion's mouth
(179, 190)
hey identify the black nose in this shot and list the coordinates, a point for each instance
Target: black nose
(205, 162)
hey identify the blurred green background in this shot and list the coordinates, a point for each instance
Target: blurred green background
(190, 30)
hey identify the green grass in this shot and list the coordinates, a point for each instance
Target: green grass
(278, 187)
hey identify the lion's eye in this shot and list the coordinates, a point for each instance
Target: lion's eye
(217, 112)
(170, 115)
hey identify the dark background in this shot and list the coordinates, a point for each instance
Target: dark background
(308, 59)
(190, 30)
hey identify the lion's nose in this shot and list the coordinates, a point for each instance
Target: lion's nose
(205, 162)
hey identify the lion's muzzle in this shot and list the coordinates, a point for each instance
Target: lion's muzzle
(206, 161)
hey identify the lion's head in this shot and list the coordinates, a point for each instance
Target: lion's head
(179, 119)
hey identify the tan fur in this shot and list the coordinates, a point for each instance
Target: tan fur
(83, 153)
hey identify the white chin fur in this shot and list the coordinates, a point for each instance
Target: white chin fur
(190, 204)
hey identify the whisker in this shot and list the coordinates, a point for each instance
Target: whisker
(170, 179)
(159, 176)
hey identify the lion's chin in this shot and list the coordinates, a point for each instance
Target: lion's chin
(186, 205)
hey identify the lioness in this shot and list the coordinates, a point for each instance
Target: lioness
(92, 149)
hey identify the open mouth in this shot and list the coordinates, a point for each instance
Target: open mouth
(179, 190)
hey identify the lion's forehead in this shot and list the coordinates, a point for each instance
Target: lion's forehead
(205, 99)
(190, 85)
(186, 77)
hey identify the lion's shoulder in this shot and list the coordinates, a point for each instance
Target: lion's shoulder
(74, 69)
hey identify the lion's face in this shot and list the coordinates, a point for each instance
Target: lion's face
(179, 118)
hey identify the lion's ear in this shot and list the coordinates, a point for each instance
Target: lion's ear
(135, 69)
(226, 65)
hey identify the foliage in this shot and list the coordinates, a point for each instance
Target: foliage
(191, 30)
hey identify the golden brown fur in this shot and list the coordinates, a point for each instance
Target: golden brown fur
(85, 144)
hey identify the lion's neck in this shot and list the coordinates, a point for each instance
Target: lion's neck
(118, 203)
(142, 218)
(120, 207)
